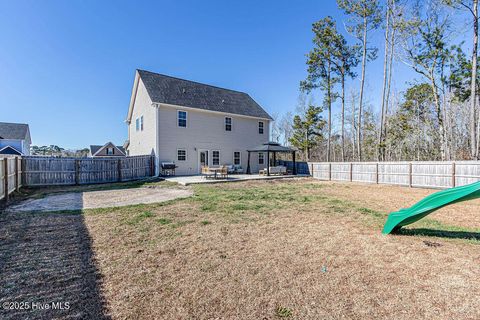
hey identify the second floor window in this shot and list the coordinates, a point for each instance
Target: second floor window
(228, 124)
(182, 119)
(139, 124)
(215, 157)
(260, 127)
(110, 151)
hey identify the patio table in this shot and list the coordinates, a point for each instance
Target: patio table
(215, 171)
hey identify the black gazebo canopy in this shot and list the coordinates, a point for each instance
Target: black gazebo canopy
(272, 147)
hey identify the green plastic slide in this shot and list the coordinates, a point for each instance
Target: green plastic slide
(429, 204)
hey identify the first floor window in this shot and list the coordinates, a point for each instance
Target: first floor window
(260, 127)
(110, 151)
(228, 124)
(261, 158)
(236, 158)
(182, 119)
(181, 154)
(215, 157)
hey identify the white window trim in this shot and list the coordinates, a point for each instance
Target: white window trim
(263, 127)
(218, 157)
(240, 158)
(225, 124)
(263, 155)
(186, 154)
(186, 119)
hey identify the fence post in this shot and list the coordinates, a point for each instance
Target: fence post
(454, 169)
(376, 179)
(17, 186)
(5, 177)
(351, 171)
(410, 175)
(119, 169)
(152, 165)
(311, 171)
(23, 166)
(77, 172)
(329, 171)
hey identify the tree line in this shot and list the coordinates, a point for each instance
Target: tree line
(54, 150)
(435, 118)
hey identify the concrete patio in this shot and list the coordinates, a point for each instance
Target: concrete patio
(196, 179)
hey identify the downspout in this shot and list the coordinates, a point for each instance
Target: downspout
(157, 140)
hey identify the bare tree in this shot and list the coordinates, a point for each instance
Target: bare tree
(285, 125)
(471, 7)
(424, 44)
(364, 17)
(275, 128)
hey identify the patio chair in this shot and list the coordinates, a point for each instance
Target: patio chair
(224, 172)
(206, 172)
(230, 168)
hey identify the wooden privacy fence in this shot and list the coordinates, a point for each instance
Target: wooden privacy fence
(414, 174)
(45, 171)
(10, 176)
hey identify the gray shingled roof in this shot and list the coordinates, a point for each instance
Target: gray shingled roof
(175, 91)
(94, 148)
(272, 147)
(16, 131)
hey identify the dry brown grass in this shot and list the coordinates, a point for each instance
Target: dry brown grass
(264, 250)
(392, 198)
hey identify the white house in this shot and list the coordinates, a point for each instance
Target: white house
(194, 124)
(15, 139)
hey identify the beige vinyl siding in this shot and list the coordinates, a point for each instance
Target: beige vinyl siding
(206, 130)
(142, 142)
(103, 152)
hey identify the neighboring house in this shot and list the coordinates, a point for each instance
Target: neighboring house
(107, 150)
(15, 139)
(194, 124)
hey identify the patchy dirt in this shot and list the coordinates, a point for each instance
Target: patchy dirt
(266, 250)
(99, 199)
(249, 250)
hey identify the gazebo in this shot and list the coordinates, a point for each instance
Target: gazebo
(274, 148)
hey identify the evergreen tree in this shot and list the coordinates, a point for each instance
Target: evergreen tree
(307, 130)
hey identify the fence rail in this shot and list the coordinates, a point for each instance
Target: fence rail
(47, 171)
(414, 174)
(10, 176)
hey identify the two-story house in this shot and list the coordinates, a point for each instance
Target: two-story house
(15, 139)
(194, 124)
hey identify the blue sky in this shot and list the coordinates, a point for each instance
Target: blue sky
(67, 67)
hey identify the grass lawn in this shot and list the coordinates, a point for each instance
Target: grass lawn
(295, 249)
